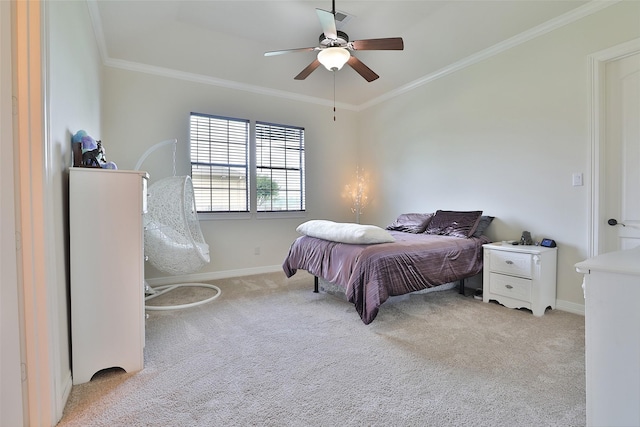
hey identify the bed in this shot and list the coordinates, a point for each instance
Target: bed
(416, 252)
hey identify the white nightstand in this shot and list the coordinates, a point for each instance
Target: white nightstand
(520, 276)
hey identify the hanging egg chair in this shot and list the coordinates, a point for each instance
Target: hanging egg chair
(173, 240)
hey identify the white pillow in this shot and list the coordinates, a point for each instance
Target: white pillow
(344, 232)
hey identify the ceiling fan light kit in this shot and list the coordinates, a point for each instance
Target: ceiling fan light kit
(333, 58)
(335, 48)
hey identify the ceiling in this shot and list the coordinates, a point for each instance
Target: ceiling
(223, 42)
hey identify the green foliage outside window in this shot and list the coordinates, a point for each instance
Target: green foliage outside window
(266, 189)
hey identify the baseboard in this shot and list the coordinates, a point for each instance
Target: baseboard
(214, 275)
(67, 383)
(567, 306)
(570, 307)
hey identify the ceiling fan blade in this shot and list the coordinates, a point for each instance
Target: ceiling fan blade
(328, 23)
(308, 70)
(281, 52)
(392, 43)
(362, 69)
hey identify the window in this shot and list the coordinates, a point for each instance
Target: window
(220, 165)
(279, 168)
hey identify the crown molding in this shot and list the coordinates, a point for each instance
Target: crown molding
(535, 32)
(228, 84)
(542, 29)
(94, 14)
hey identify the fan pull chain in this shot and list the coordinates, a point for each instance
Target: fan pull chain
(334, 95)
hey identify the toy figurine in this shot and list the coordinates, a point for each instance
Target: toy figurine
(87, 152)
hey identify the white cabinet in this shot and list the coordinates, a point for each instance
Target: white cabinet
(612, 338)
(520, 276)
(107, 270)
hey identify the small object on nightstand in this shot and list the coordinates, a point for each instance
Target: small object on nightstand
(526, 238)
(548, 243)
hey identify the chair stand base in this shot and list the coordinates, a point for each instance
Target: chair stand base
(161, 290)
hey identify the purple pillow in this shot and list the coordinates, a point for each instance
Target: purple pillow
(483, 224)
(454, 223)
(411, 222)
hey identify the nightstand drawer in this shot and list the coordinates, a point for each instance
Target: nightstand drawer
(512, 287)
(513, 263)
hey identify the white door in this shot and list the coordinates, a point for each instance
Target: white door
(622, 154)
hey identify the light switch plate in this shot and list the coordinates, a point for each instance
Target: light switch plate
(577, 179)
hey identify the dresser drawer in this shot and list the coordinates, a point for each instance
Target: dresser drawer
(509, 286)
(514, 263)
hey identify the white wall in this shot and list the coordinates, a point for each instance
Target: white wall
(504, 136)
(141, 109)
(74, 86)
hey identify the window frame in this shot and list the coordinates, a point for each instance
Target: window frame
(300, 167)
(251, 169)
(244, 165)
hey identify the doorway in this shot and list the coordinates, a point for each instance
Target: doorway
(615, 132)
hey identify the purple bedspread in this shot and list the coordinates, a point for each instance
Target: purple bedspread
(371, 274)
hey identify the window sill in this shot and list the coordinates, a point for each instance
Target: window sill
(217, 216)
(280, 215)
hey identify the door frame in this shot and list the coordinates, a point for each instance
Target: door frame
(12, 390)
(32, 205)
(597, 62)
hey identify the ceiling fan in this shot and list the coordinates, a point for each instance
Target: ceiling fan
(335, 48)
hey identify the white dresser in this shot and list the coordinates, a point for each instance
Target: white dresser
(612, 340)
(107, 270)
(520, 276)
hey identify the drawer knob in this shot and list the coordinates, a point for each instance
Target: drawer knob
(509, 262)
(508, 286)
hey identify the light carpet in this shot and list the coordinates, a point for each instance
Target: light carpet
(270, 352)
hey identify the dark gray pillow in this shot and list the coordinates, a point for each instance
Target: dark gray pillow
(483, 224)
(454, 223)
(411, 222)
